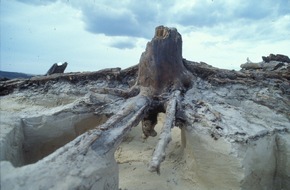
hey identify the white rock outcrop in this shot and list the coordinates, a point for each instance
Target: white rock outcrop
(237, 143)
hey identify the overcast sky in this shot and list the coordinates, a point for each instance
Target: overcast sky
(96, 34)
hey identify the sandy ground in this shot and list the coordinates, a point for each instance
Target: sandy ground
(133, 157)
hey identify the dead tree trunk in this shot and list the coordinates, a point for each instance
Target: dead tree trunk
(161, 69)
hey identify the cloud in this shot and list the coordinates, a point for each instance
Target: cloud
(252, 21)
(212, 13)
(236, 19)
(120, 19)
(111, 22)
(92, 34)
(123, 44)
(37, 2)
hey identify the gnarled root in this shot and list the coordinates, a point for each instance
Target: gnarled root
(165, 136)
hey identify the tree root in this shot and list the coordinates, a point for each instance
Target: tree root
(165, 136)
(134, 91)
(136, 109)
(116, 127)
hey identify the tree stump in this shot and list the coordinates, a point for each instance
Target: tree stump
(161, 68)
(194, 96)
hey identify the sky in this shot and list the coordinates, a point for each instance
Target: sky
(95, 34)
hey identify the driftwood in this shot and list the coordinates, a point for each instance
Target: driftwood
(160, 80)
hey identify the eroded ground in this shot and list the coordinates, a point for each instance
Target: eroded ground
(133, 157)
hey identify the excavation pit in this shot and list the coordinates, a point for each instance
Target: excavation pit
(37, 137)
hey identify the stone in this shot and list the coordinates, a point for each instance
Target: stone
(237, 144)
(269, 63)
(57, 68)
(277, 57)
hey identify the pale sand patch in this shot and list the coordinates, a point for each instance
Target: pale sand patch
(134, 154)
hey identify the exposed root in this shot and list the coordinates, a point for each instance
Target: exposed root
(113, 137)
(165, 136)
(116, 127)
(134, 91)
(131, 106)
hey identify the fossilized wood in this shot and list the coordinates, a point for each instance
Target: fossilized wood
(212, 74)
(117, 126)
(134, 91)
(165, 136)
(218, 76)
(277, 57)
(79, 155)
(161, 68)
(55, 68)
(216, 108)
(111, 74)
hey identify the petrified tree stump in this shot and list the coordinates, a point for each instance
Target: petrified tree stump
(213, 105)
(161, 77)
(161, 69)
(161, 72)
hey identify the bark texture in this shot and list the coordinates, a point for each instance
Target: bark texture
(161, 68)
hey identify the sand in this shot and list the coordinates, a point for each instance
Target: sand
(133, 157)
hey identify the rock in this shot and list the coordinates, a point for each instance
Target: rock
(277, 57)
(269, 63)
(237, 144)
(251, 66)
(57, 68)
(4, 79)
